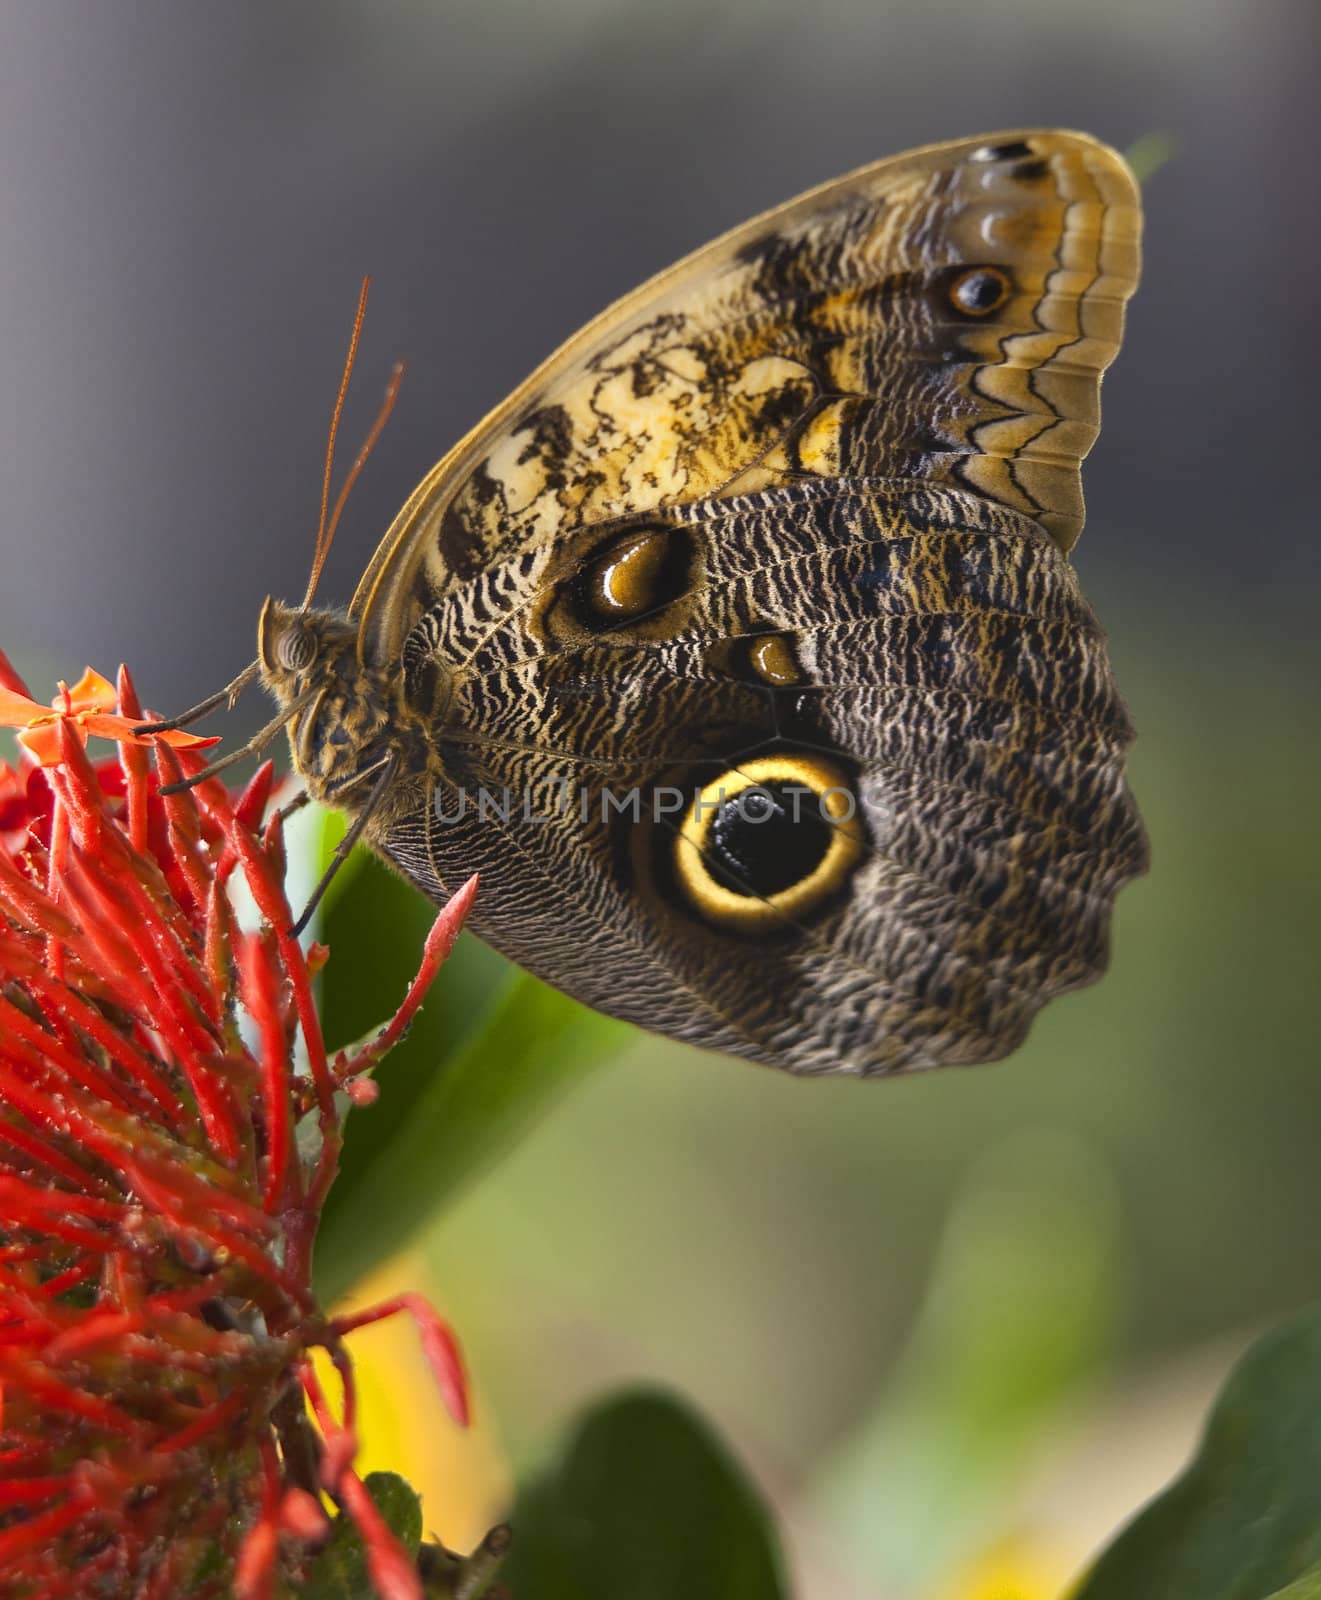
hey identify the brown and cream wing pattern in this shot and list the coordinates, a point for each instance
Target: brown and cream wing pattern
(944, 315)
(794, 517)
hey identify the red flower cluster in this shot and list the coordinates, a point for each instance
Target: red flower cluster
(163, 1163)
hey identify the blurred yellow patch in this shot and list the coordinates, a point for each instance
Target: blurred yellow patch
(461, 1474)
(1013, 1569)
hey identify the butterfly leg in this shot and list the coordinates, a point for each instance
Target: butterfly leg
(254, 746)
(386, 768)
(296, 804)
(226, 697)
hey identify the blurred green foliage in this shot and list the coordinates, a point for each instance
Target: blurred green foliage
(774, 1248)
(1017, 1322)
(893, 1287)
(642, 1502)
(1308, 1587)
(489, 1049)
(801, 1218)
(340, 1571)
(1244, 1521)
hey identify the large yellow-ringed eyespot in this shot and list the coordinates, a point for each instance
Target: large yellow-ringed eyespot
(769, 841)
(980, 290)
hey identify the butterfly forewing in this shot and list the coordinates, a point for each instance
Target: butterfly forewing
(849, 332)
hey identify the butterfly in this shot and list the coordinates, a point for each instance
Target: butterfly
(740, 649)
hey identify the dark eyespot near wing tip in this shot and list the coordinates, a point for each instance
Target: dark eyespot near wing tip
(980, 291)
(1011, 150)
(1030, 171)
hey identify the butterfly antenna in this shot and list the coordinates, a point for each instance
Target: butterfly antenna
(326, 526)
(322, 547)
(359, 462)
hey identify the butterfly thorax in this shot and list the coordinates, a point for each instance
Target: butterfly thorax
(345, 718)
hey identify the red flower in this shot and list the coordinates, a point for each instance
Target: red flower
(156, 1311)
(86, 708)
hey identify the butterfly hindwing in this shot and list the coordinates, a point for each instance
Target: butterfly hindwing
(956, 687)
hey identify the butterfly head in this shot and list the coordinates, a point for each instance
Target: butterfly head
(295, 647)
(337, 715)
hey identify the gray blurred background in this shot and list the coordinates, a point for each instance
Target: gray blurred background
(192, 192)
(190, 196)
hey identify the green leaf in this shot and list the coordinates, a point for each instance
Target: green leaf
(1244, 1520)
(644, 1502)
(488, 1051)
(340, 1571)
(1308, 1587)
(1027, 1262)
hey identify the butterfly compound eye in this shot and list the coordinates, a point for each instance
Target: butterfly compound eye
(295, 648)
(768, 842)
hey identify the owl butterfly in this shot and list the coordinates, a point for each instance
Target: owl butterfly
(740, 649)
